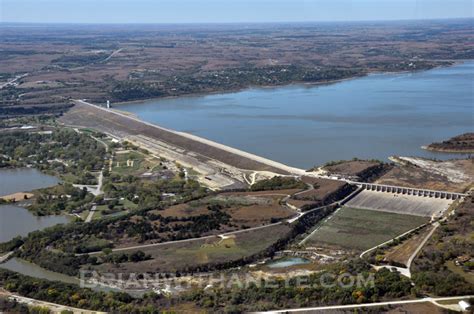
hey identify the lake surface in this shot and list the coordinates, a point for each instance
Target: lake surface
(287, 262)
(302, 125)
(16, 220)
(24, 180)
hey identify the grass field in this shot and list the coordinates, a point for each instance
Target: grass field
(132, 163)
(458, 270)
(120, 209)
(170, 257)
(402, 252)
(361, 229)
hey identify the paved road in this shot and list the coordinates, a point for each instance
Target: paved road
(112, 54)
(291, 220)
(53, 307)
(137, 247)
(353, 306)
(422, 244)
(404, 271)
(91, 214)
(3, 258)
(10, 82)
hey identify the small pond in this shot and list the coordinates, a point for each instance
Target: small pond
(287, 262)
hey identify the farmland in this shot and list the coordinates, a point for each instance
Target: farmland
(360, 229)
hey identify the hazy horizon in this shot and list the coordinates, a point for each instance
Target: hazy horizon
(228, 11)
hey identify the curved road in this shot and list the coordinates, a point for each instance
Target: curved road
(354, 306)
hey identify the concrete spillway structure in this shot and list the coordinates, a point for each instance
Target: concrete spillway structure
(410, 191)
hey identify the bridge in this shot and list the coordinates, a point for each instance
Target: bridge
(410, 191)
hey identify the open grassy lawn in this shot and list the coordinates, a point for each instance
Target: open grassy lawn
(361, 229)
(170, 257)
(132, 163)
(122, 208)
(458, 270)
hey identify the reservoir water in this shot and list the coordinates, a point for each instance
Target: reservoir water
(376, 116)
(24, 180)
(16, 220)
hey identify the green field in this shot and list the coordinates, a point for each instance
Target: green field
(137, 163)
(121, 208)
(361, 229)
(170, 257)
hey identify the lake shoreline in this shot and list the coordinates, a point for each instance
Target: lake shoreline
(344, 118)
(447, 150)
(295, 83)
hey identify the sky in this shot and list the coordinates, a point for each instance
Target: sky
(228, 11)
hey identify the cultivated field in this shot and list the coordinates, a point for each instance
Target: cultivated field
(400, 203)
(361, 229)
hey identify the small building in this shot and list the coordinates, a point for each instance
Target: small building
(464, 305)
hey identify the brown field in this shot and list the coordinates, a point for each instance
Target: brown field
(300, 203)
(257, 215)
(323, 188)
(419, 308)
(402, 252)
(352, 167)
(264, 193)
(413, 176)
(16, 197)
(248, 209)
(178, 256)
(181, 210)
